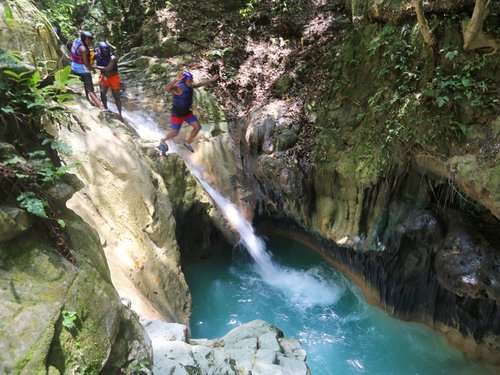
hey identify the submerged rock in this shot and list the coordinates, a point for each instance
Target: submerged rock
(255, 348)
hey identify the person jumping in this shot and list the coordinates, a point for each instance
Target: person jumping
(182, 90)
(82, 67)
(107, 64)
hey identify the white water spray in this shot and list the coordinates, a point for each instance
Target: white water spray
(303, 288)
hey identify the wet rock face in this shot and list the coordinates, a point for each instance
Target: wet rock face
(253, 348)
(469, 266)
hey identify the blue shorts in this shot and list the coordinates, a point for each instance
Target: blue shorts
(176, 121)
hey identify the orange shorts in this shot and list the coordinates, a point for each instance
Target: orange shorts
(112, 81)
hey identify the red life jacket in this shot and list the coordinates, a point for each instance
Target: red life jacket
(76, 55)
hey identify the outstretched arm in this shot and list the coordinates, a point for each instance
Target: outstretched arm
(172, 86)
(206, 82)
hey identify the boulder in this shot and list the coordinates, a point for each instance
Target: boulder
(13, 222)
(38, 286)
(256, 347)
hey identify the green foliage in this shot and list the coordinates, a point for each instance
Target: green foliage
(67, 14)
(7, 16)
(461, 84)
(69, 319)
(32, 204)
(139, 367)
(388, 96)
(24, 93)
(26, 97)
(272, 7)
(249, 9)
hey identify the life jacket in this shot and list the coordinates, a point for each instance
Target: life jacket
(76, 55)
(181, 105)
(103, 59)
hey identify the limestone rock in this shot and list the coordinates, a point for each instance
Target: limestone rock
(25, 29)
(126, 200)
(285, 139)
(37, 285)
(13, 222)
(256, 347)
(467, 264)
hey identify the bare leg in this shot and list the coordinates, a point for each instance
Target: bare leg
(171, 134)
(95, 100)
(118, 101)
(104, 96)
(196, 129)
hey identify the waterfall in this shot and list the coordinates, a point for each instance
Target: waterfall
(306, 288)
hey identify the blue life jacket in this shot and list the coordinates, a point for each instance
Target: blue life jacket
(181, 105)
(103, 59)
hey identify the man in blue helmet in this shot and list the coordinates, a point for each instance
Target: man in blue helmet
(82, 67)
(182, 90)
(107, 64)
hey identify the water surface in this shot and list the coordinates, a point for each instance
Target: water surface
(341, 333)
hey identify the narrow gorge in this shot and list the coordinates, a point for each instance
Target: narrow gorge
(338, 215)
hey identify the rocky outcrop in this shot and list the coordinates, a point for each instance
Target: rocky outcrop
(126, 200)
(13, 222)
(256, 347)
(23, 28)
(38, 288)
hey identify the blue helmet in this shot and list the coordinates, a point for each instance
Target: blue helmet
(187, 76)
(104, 47)
(86, 34)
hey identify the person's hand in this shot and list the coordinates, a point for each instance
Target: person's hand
(179, 76)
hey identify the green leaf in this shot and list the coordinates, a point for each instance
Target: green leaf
(61, 223)
(32, 204)
(36, 78)
(69, 319)
(450, 55)
(442, 101)
(8, 16)
(14, 160)
(12, 74)
(8, 110)
(466, 82)
(62, 77)
(37, 154)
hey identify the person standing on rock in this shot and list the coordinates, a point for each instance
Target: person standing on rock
(182, 89)
(82, 67)
(107, 64)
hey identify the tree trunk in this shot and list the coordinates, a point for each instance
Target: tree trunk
(475, 25)
(423, 24)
